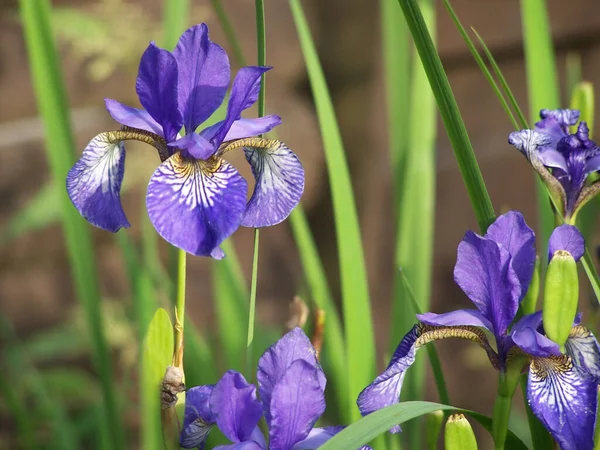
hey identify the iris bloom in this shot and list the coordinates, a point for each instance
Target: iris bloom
(195, 198)
(291, 385)
(564, 161)
(494, 271)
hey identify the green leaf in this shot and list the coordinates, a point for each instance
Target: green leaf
(367, 428)
(52, 104)
(176, 18)
(450, 113)
(157, 354)
(360, 346)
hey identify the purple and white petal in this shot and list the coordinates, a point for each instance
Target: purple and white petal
(564, 399)
(564, 117)
(483, 271)
(194, 206)
(278, 358)
(529, 142)
(279, 184)
(318, 436)
(566, 238)
(235, 406)
(204, 74)
(244, 93)
(132, 117)
(460, 317)
(385, 389)
(94, 183)
(526, 335)
(552, 158)
(198, 418)
(156, 87)
(297, 402)
(583, 349)
(194, 145)
(514, 235)
(243, 128)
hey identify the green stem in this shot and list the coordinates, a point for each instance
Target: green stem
(180, 309)
(507, 383)
(261, 42)
(252, 310)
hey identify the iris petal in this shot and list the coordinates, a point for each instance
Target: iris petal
(460, 317)
(156, 87)
(568, 238)
(94, 183)
(243, 128)
(318, 436)
(526, 334)
(132, 117)
(195, 145)
(198, 417)
(203, 76)
(297, 402)
(529, 142)
(583, 348)
(194, 205)
(234, 403)
(279, 183)
(276, 360)
(564, 398)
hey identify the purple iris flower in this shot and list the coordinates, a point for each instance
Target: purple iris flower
(195, 198)
(291, 385)
(563, 160)
(495, 271)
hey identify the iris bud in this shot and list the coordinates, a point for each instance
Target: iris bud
(529, 302)
(459, 434)
(433, 428)
(561, 293)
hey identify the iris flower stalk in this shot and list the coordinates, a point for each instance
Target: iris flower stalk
(495, 272)
(564, 161)
(291, 385)
(195, 198)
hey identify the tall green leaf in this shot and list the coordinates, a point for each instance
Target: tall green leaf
(176, 17)
(52, 105)
(360, 348)
(450, 114)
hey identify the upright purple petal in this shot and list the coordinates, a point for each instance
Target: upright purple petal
(556, 122)
(132, 117)
(514, 235)
(567, 238)
(297, 402)
(244, 94)
(564, 398)
(198, 418)
(243, 128)
(203, 76)
(526, 335)
(385, 389)
(583, 349)
(277, 359)
(279, 184)
(156, 87)
(460, 317)
(235, 406)
(483, 271)
(195, 206)
(94, 183)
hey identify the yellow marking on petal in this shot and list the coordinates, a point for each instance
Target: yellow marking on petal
(129, 133)
(186, 167)
(265, 144)
(543, 368)
(579, 331)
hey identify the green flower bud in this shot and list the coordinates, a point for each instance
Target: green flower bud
(433, 428)
(459, 434)
(561, 293)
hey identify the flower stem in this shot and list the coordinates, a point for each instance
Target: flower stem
(261, 42)
(252, 310)
(180, 309)
(507, 383)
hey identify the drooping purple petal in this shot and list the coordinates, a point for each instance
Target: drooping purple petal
(318, 436)
(525, 334)
(235, 406)
(529, 142)
(568, 238)
(132, 117)
(460, 317)
(564, 398)
(156, 87)
(94, 183)
(278, 358)
(244, 93)
(514, 235)
(203, 76)
(243, 128)
(279, 184)
(385, 389)
(198, 418)
(552, 158)
(483, 271)
(583, 348)
(556, 123)
(195, 206)
(297, 402)
(194, 145)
